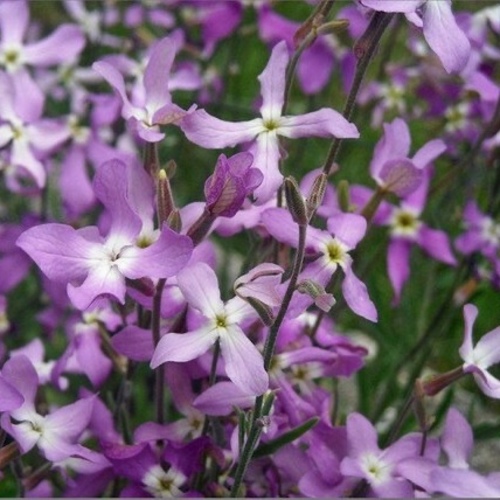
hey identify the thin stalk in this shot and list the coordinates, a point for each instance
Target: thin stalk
(255, 428)
(160, 371)
(366, 46)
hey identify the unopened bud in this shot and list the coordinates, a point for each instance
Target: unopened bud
(8, 453)
(174, 221)
(165, 200)
(316, 194)
(343, 196)
(295, 201)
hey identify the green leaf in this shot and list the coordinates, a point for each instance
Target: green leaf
(275, 444)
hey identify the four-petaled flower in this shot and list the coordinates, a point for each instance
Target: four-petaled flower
(243, 362)
(210, 132)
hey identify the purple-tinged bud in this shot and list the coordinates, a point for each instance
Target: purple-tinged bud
(232, 181)
(316, 194)
(295, 202)
(401, 177)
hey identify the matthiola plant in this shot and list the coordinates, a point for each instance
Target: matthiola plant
(209, 280)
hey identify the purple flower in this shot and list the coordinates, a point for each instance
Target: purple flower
(210, 132)
(332, 249)
(92, 265)
(157, 108)
(243, 362)
(378, 467)
(232, 181)
(441, 31)
(55, 433)
(477, 359)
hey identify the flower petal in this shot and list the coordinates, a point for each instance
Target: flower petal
(444, 36)
(243, 362)
(181, 347)
(200, 287)
(272, 83)
(210, 132)
(324, 122)
(356, 296)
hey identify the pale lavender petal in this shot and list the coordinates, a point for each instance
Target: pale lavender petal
(181, 347)
(10, 397)
(398, 265)
(361, 435)
(22, 155)
(315, 67)
(169, 113)
(62, 46)
(487, 383)
(266, 158)
(487, 349)
(466, 350)
(463, 484)
(157, 74)
(393, 488)
(115, 79)
(444, 36)
(356, 296)
(47, 134)
(325, 122)
(272, 83)
(111, 188)
(418, 470)
(60, 251)
(20, 373)
(93, 362)
(243, 362)
(74, 183)
(393, 5)
(281, 226)
(394, 144)
(210, 132)
(436, 244)
(349, 228)
(14, 20)
(134, 342)
(429, 152)
(457, 440)
(221, 398)
(103, 279)
(70, 421)
(163, 259)
(200, 287)
(29, 98)
(402, 177)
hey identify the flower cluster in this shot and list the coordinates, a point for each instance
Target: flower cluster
(218, 281)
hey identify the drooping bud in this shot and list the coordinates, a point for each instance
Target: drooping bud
(322, 299)
(260, 283)
(316, 194)
(295, 201)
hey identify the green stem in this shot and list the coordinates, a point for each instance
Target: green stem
(365, 47)
(255, 428)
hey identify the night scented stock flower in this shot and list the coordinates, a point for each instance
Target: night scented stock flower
(210, 132)
(157, 108)
(243, 362)
(93, 265)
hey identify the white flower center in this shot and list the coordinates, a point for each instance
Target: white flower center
(163, 484)
(376, 470)
(404, 222)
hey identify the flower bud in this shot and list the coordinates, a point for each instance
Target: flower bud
(232, 181)
(316, 194)
(295, 201)
(322, 299)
